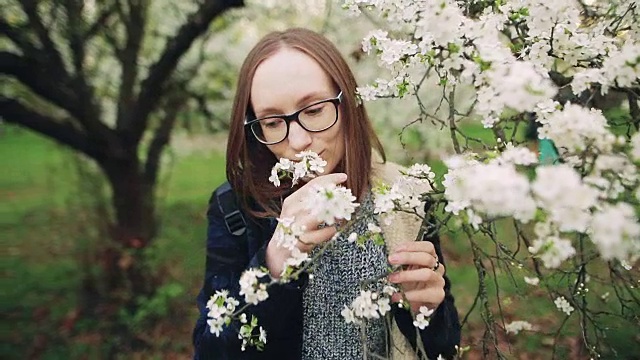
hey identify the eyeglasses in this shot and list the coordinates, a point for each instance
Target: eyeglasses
(316, 117)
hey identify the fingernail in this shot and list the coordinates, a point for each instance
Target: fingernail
(342, 176)
(393, 258)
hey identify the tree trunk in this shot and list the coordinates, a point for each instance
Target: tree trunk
(132, 227)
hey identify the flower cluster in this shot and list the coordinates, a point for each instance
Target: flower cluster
(515, 327)
(406, 193)
(309, 166)
(287, 235)
(368, 305)
(422, 317)
(616, 232)
(330, 202)
(552, 250)
(576, 136)
(492, 189)
(221, 308)
(253, 291)
(563, 305)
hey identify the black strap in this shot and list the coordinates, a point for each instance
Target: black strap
(233, 218)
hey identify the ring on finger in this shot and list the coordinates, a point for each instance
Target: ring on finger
(437, 266)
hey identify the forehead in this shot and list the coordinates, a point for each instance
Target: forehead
(285, 77)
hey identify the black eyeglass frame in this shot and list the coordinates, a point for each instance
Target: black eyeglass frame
(336, 101)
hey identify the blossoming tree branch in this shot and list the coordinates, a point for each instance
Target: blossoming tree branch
(574, 223)
(529, 60)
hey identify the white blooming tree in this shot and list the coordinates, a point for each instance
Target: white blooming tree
(506, 64)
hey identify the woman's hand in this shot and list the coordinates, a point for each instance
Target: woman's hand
(294, 206)
(422, 279)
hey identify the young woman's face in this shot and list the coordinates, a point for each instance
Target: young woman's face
(286, 82)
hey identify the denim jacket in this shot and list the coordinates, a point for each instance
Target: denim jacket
(281, 313)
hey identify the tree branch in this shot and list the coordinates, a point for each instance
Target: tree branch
(75, 33)
(152, 87)
(634, 109)
(134, 23)
(14, 111)
(161, 138)
(30, 8)
(18, 35)
(100, 23)
(34, 75)
(75, 28)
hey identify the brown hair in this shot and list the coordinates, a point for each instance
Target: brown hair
(249, 162)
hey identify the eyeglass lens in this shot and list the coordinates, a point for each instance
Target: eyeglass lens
(317, 117)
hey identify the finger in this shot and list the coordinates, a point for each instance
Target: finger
(309, 222)
(421, 275)
(294, 203)
(311, 239)
(431, 297)
(423, 259)
(417, 246)
(335, 178)
(322, 180)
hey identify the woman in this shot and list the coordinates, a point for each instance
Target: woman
(301, 73)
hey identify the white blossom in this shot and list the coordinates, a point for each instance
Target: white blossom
(263, 335)
(309, 166)
(516, 85)
(348, 315)
(615, 229)
(491, 189)
(532, 281)
(423, 317)
(563, 305)
(253, 291)
(561, 193)
(221, 307)
(215, 325)
(373, 228)
(635, 147)
(552, 250)
(515, 327)
(623, 65)
(367, 305)
(516, 156)
(422, 171)
(330, 202)
(575, 128)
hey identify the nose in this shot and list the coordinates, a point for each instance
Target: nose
(299, 138)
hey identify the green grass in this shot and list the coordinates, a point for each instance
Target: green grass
(42, 210)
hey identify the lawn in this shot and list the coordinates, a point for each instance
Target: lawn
(46, 221)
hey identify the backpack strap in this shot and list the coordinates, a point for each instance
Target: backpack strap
(233, 218)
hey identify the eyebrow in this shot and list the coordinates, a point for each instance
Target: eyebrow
(303, 101)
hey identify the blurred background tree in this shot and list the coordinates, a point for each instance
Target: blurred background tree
(109, 80)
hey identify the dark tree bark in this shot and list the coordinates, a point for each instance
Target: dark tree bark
(56, 71)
